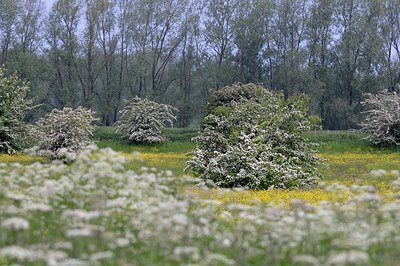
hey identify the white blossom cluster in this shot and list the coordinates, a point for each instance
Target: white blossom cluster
(64, 133)
(382, 124)
(13, 108)
(255, 143)
(97, 212)
(142, 120)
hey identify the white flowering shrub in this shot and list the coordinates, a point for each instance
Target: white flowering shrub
(382, 124)
(64, 132)
(13, 108)
(97, 212)
(251, 138)
(141, 120)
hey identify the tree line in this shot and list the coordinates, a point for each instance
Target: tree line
(98, 53)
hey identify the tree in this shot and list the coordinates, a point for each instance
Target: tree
(219, 39)
(65, 131)
(354, 61)
(62, 39)
(188, 64)
(8, 17)
(251, 138)
(249, 37)
(92, 54)
(382, 124)
(319, 39)
(142, 120)
(109, 94)
(390, 34)
(155, 27)
(28, 25)
(14, 106)
(285, 49)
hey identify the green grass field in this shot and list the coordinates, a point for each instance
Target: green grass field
(348, 159)
(97, 212)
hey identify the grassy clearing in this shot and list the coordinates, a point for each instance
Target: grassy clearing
(347, 157)
(179, 141)
(334, 142)
(171, 155)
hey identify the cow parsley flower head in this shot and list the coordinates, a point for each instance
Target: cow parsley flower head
(18, 253)
(353, 257)
(79, 232)
(15, 223)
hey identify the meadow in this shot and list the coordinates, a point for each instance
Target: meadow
(137, 208)
(347, 160)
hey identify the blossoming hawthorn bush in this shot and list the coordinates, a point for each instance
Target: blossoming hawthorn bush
(382, 124)
(13, 107)
(65, 131)
(142, 120)
(251, 138)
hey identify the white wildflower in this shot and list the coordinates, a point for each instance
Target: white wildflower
(226, 242)
(63, 245)
(101, 255)
(378, 173)
(31, 206)
(368, 197)
(79, 232)
(72, 262)
(395, 172)
(122, 242)
(56, 255)
(169, 173)
(215, 258)
(81, 214)
(354, 257)
(15, 196)
(192, 252)
(11, 210)
(117, 203)
(16, 223)
(50, 187)
(17, 252)
(179, 218)
(305, 259)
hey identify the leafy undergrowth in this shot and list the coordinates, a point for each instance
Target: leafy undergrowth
(97, 212)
